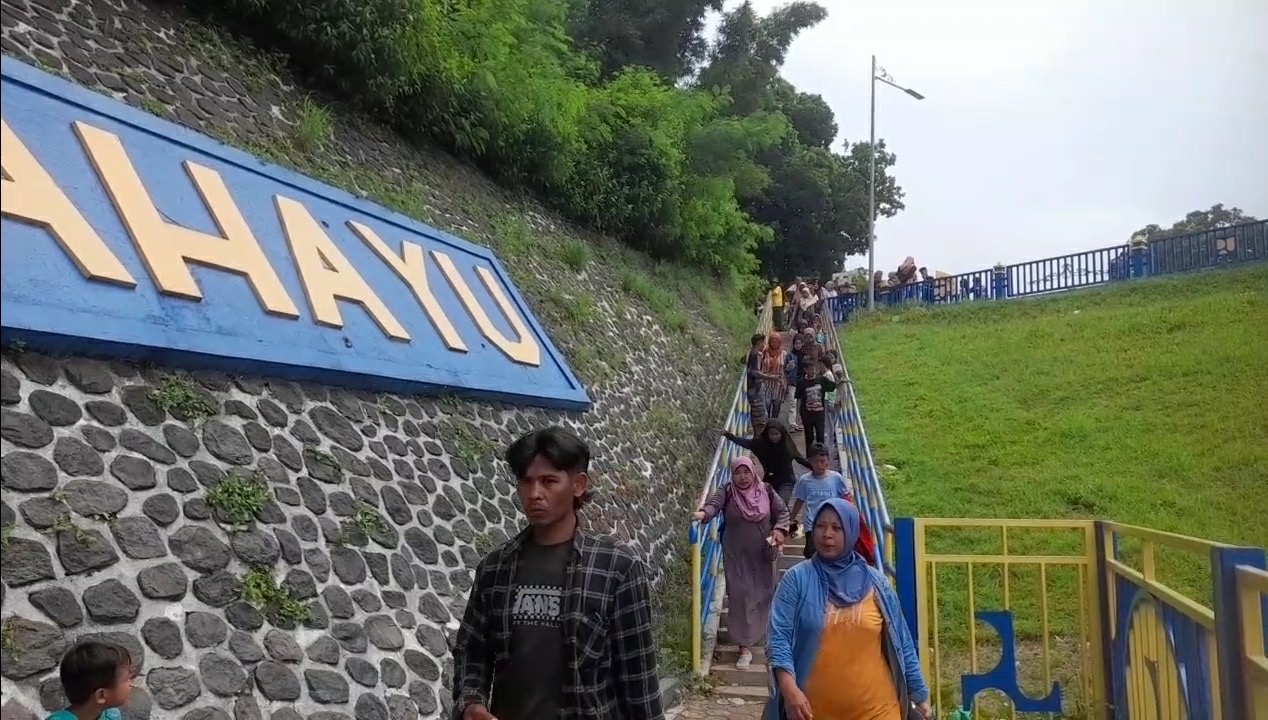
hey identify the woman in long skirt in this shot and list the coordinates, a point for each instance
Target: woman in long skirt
(756, 527)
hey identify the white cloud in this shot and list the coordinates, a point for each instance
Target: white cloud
(1050, 125)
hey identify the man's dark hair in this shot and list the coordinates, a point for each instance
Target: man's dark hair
(817, 450)
(89, 667)
(757, 338)
(560, 448)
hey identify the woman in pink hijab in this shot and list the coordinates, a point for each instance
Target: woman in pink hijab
(756, 523)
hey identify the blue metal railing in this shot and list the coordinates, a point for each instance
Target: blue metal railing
(1069, 272)
(1247, 242)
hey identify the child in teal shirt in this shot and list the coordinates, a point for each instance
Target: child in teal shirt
(97, 680)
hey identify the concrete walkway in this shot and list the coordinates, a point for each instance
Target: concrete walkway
(718, 708)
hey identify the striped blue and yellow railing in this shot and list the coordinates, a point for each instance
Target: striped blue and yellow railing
(1252, 612)
(857, 464)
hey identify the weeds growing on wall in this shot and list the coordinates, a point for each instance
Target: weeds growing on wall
(274, 602)
(237, 498)
(184, 400)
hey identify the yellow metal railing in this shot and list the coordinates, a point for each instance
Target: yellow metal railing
(1162, 628)
(1252, 592)
(1008, 606)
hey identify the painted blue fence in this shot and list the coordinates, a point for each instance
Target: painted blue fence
(1164, 256)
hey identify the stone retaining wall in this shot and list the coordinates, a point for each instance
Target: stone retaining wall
(369, 512)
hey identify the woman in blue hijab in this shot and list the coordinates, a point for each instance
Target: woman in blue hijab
(838, 646)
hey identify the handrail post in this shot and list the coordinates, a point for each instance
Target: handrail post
(1228, 626)
(697, 621)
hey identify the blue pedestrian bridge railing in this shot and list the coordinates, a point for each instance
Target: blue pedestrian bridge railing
(856, 463)
(1189, 252)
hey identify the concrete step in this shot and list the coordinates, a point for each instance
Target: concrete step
(728, 654)
(729, 675)
(749, 693)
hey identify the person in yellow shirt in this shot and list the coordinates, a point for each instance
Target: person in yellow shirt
(777, 305)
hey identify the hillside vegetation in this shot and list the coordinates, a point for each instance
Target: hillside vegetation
(624, 117)
(1141, 403)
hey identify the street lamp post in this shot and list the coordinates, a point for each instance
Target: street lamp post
(878, 73)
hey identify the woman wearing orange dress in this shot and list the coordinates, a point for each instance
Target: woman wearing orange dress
(837, 644)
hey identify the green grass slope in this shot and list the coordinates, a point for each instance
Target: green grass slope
(1145, 403)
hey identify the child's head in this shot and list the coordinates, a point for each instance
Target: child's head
(818, 457)
(808, 367)
(96, 675)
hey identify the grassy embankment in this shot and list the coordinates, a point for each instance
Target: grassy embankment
(1140, 403)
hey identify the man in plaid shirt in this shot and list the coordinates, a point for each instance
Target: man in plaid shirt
(559, 622)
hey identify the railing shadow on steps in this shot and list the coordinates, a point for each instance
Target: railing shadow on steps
(855, 461)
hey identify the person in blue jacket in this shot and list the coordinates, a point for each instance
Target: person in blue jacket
(837, 644)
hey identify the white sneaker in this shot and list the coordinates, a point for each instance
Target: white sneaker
(746, 659)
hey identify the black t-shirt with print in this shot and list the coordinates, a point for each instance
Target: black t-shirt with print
(811, 391)
(530, 686)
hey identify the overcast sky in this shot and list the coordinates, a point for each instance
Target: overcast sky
(1050, 126)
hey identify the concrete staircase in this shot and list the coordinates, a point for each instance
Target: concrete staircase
(748, 684)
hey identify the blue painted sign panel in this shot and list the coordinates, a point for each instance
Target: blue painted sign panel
(127, 235)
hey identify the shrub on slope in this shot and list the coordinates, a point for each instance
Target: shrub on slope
(499, 81)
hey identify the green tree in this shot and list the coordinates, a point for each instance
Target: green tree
(1215, 218)
(665, 36)
(811, 118)
(745, 59)
(814, 201)
(576, 100)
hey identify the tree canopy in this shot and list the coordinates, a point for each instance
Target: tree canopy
(1215, 218)
(622, 115)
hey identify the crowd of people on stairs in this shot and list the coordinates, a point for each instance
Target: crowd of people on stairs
(838, 647)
